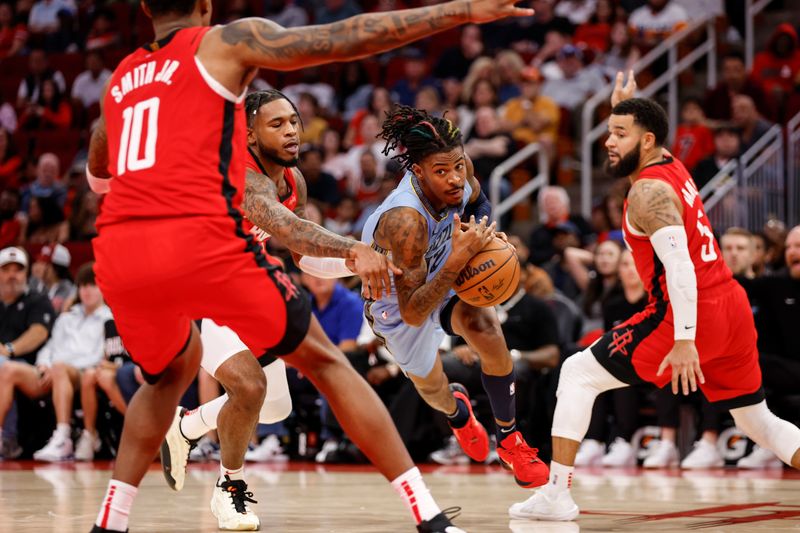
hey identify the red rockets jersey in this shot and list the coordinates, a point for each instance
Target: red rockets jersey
(176, 136)
(709, 266)
(290, 200)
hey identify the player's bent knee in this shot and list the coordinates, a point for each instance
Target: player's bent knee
(89, 377)
(767, 430)
(583, 372)
(275, 410)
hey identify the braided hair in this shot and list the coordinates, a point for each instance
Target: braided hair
(256, 99)
(419, 133)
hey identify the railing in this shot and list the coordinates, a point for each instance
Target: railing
(793, 170)
(752, 190)
(499, 208)
(669, 79)
(752, 8)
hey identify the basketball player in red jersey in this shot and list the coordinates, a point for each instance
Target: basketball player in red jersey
(697, 330)
(171, 246)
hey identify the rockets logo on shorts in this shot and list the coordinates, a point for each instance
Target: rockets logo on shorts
(620, 342)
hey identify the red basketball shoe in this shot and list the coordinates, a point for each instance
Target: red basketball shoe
(472, 437)
(517, 456)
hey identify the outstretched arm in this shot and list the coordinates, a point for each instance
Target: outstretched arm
(261, 43)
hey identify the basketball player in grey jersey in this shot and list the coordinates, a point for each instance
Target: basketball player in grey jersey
(420, 226)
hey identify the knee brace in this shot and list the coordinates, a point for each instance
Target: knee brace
(582, 379)
(768, 431)
(278, 401)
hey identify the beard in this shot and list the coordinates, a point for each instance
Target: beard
(272, 155)
(626, 166)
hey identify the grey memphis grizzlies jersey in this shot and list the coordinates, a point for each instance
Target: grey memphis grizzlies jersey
(440, 226)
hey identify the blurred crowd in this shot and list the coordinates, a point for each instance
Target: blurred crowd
(506, 85)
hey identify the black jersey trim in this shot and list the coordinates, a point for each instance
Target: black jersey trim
(281, 198)
(155, 46)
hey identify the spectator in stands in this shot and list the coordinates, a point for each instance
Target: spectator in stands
(312, 82)
(554, 210)
(597, 277)
(345, 214)
(10, 161)
(455, 62)
(487, 144)
(38, 71)
(386, 186)
(44, 16)
(544, 35)
(45, 222)
(727, 146)
(776, 301)
(46, 184)
(483, 94)
(533, 117)
(354, 89)
(734, 80)
(76, 345)
(595, 32)
(624, 403)
(568, 316)
(738, 251)
(369, 130)
(334, 161)
(746, 117)
(777, 65)
(286, 13)
(8, 117)
(322, 187)
(340, 313)
(103, 33)
(367, 187)
(654, 22)
(429, 101)
(10, 227)
(51, 111)
(577, 11)
(415, 77)
(104, 376)
(335, 10)
(25, 321)
(578, 83)
(50, 275)
(82, 223)
(509, 66)
(693, 138)
(313, 123)
(13, 34)
(380, 103)
(88, 86)
(621, 54)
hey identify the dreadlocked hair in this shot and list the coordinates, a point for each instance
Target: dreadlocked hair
(419, 133)
(256, 99)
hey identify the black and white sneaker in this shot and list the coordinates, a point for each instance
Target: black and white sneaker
(98, 529)
(441, 523)
(229, 506)
(175, 452)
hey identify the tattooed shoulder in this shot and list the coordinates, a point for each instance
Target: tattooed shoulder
(403, 231)
(652, 205)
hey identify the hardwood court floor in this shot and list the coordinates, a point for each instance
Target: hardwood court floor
(305, 498)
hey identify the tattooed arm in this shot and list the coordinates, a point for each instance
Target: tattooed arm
(652, 205)
(403, 231)
(98, 151)
(256, 42)
(302, 199)
(262, 208)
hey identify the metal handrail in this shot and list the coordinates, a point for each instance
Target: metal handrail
(793, 170)
(751, 10)
(670, 78)
(499, 208)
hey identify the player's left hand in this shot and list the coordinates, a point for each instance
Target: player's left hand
(685, 363)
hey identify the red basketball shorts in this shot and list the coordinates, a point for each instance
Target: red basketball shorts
(726, 343)
(159, 275)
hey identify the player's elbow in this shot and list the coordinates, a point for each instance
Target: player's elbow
(412, 318)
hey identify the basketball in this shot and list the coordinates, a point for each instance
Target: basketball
(490, 277)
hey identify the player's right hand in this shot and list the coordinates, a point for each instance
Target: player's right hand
(623, 92)
(685, 363)
(373, 268)
(489, 10)
(470, 238)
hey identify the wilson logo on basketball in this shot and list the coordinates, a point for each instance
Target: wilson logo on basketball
(470, 272)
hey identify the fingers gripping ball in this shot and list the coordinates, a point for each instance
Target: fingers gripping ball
(490, 277)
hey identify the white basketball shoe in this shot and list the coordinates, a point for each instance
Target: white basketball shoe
(546, 504)
(229, 505)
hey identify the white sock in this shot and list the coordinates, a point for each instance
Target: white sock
(412, 490)
(560, 477)
(200, 421)
(116, 506)
(63, 430)
(233, 473)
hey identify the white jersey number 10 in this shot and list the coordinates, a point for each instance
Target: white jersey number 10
(131, 156)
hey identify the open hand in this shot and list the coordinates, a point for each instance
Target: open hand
(489, 10)
(623, 92)
(373, 268)
(685, 363)
(470, 238)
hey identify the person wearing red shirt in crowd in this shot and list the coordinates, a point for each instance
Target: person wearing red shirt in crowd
(10, 227)
(12, 35)
(10, 161)
(693, 139)
(51, 111)
(596, 32)
(777, 66)
(734, 80)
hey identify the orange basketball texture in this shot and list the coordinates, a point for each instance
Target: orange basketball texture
(490, 277)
